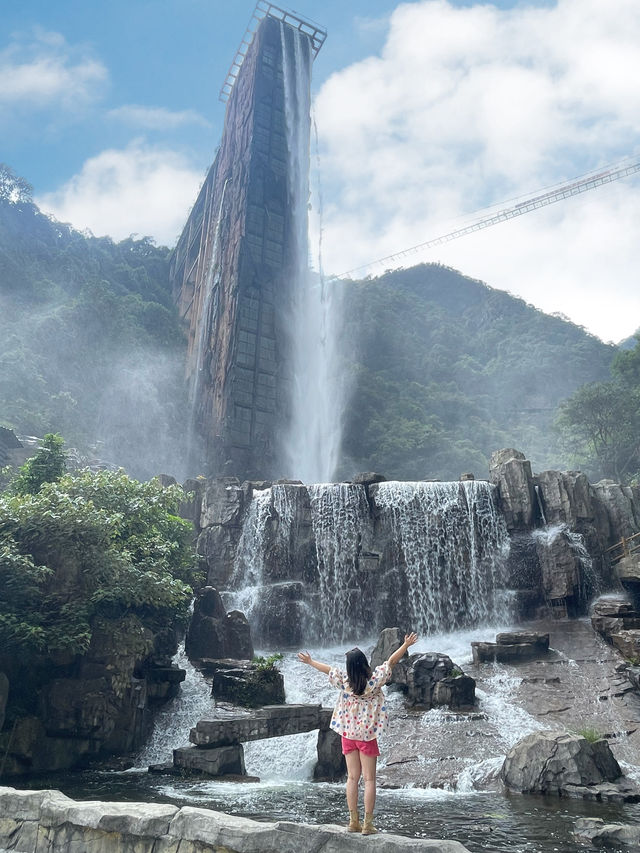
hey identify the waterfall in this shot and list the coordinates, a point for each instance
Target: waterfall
(173, 722)
(312, 443)
(548, 538)
(319, 563)
(450, 546)
(247, 580)
(337, 514)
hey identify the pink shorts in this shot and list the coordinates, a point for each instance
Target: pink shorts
(366, 747)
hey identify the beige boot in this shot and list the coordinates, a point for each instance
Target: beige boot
(368, 828)
(354, 822)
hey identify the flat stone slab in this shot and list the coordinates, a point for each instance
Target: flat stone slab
(26, 816)
(267, 722)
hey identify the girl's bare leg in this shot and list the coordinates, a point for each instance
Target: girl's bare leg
(368, 763)
(353, 778)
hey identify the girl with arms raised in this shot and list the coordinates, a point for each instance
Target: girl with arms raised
(359, 716)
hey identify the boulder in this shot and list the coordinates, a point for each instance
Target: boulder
(594, 831)
(247, 684)
(610, 614)
(511, 647)
(223, 502)
(434, 680)
(389, 641)
(627, 571)
(510, 471)
(560, 564)
(218, 761)
(331, 765)
(216, 634)
(621, 507)
(566, 496)
(628, 643)
(558, 762)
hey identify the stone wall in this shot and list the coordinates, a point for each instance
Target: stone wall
(35, 821)
(62, 712)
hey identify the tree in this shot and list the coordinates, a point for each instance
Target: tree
(90, 546)
(13, 188)
(600, 425)
(47, 466)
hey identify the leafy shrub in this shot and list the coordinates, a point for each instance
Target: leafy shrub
(90, 545)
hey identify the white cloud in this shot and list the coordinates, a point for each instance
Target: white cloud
(43, 71)
(156, 118)
(137, 190)
(469, 106)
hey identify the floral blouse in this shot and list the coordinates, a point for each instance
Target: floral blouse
(360, 717)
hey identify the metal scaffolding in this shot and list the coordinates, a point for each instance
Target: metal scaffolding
(262, 10)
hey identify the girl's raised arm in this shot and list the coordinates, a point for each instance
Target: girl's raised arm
(409, 640)
(305, 657)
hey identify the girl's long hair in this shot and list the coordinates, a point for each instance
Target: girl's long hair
(358, 671)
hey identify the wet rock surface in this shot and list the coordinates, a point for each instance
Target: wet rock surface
(577, 685)
(594, 831)
(245, 683)
(213, 633)
(553, 762)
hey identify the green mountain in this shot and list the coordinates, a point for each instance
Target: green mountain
(90, 345)
(442, 371)
(446, 369)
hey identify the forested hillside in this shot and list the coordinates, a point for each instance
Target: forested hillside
(442, 370)
(90, 345)
(446, 370)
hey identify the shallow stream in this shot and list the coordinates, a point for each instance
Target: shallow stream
(438, 771)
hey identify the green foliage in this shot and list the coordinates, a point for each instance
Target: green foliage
(90, 342)
(600, 423)
(47, 466)
(90, 545)
(261, 663)
(445, 370)
(591, 735)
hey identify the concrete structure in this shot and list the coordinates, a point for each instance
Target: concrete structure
(232, 270)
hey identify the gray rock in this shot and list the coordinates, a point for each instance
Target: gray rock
(219, 761)
(222, 502)
(434, 680)
(30, 816)
(594, 831)
(246, 683)
(366, 478)
(331, 765)
(510, 471)
(214, 633)
(567, 497)
(556, 762)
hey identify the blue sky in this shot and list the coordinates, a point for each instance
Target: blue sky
(427, 111)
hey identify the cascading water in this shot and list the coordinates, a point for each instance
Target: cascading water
(312, 442)
(426, 555)
(337, 513)
(247, 580)
(450, 550)
(587, 581)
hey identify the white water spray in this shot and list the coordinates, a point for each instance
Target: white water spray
(451, 549)
(312, 442)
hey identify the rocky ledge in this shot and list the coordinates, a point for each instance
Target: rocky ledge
(31, 821)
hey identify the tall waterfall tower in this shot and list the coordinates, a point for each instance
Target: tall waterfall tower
(233, 271)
